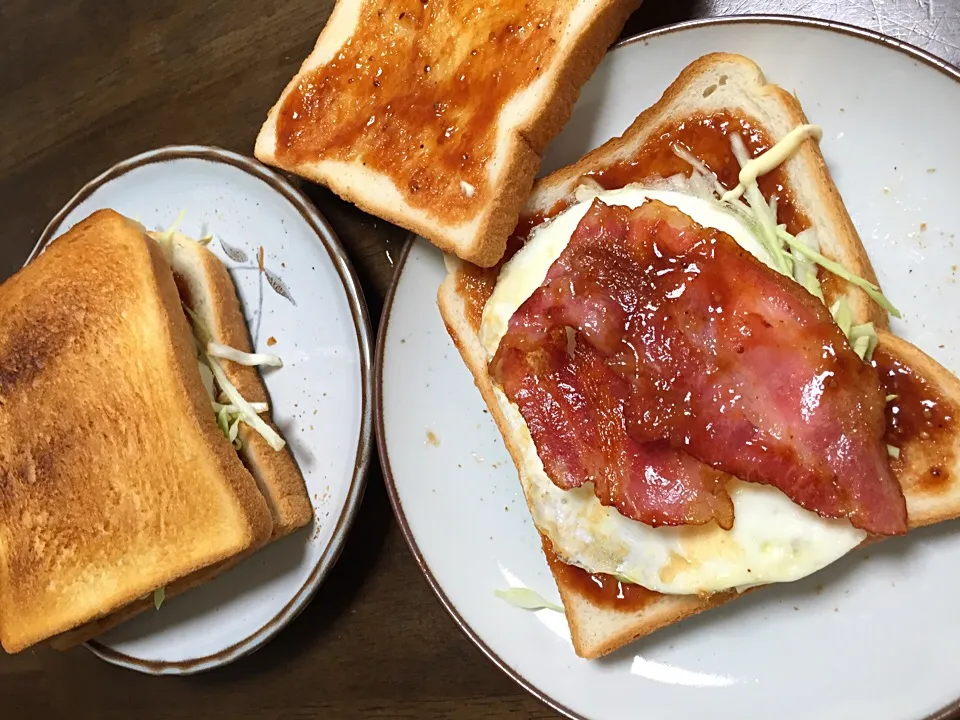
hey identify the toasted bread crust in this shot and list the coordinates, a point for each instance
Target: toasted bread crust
(215, 300)
(88, 488)
(482, 237)
(597, 630)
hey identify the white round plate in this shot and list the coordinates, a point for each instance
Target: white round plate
(321, 398)
(873, 636)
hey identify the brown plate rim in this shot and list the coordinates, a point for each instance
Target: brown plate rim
(364, 332)
(947, 712)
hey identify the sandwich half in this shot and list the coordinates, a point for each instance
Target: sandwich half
(434, 115)
(116, 482)
(687, 354)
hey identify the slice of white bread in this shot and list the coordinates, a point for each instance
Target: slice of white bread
(205, 286)
(441, 110)
(928, 469)
(114, 479)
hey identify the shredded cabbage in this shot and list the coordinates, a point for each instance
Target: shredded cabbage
(804, 271)
(165, 238)
(258, 407)
(795, 256)
(842, 315)
(766, 221)
(165, 242)
(247, 413)
(159, 595)
(242, 358)
(775, 156)
(527, 599)
(863, 339)
(223, 421)
(234, 429)
(207, 377)
(841, 272)
(229, 406)
(176, 223)
(700, 168)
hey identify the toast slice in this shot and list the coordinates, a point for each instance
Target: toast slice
(434, 115)
(927, 468)
(114, 479)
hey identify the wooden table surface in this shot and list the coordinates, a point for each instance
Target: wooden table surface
(85, 83)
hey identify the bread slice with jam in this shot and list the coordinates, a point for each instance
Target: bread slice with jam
(434, 115)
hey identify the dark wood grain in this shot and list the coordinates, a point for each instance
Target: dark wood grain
(85, 83)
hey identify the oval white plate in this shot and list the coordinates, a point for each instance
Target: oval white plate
(320, 398)
(875, 635)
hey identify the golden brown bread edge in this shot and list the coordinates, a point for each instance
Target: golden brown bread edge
(95, 628)
(121, 248)
(205, 285)
(526, 144)
(596, 630)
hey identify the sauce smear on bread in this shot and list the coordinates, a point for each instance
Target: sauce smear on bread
(707, 137)
(602, 590)
(919, 420)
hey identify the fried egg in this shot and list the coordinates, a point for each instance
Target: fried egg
(772, 539)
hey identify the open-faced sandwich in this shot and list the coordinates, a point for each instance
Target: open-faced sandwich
(688, 356)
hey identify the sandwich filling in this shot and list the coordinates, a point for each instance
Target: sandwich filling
(649, 352)
(229, 406)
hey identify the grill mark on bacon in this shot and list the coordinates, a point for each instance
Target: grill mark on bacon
(696, 349)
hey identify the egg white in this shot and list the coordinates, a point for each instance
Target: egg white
(772, 539)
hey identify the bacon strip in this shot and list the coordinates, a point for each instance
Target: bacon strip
(574, 407)
(706, 351)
